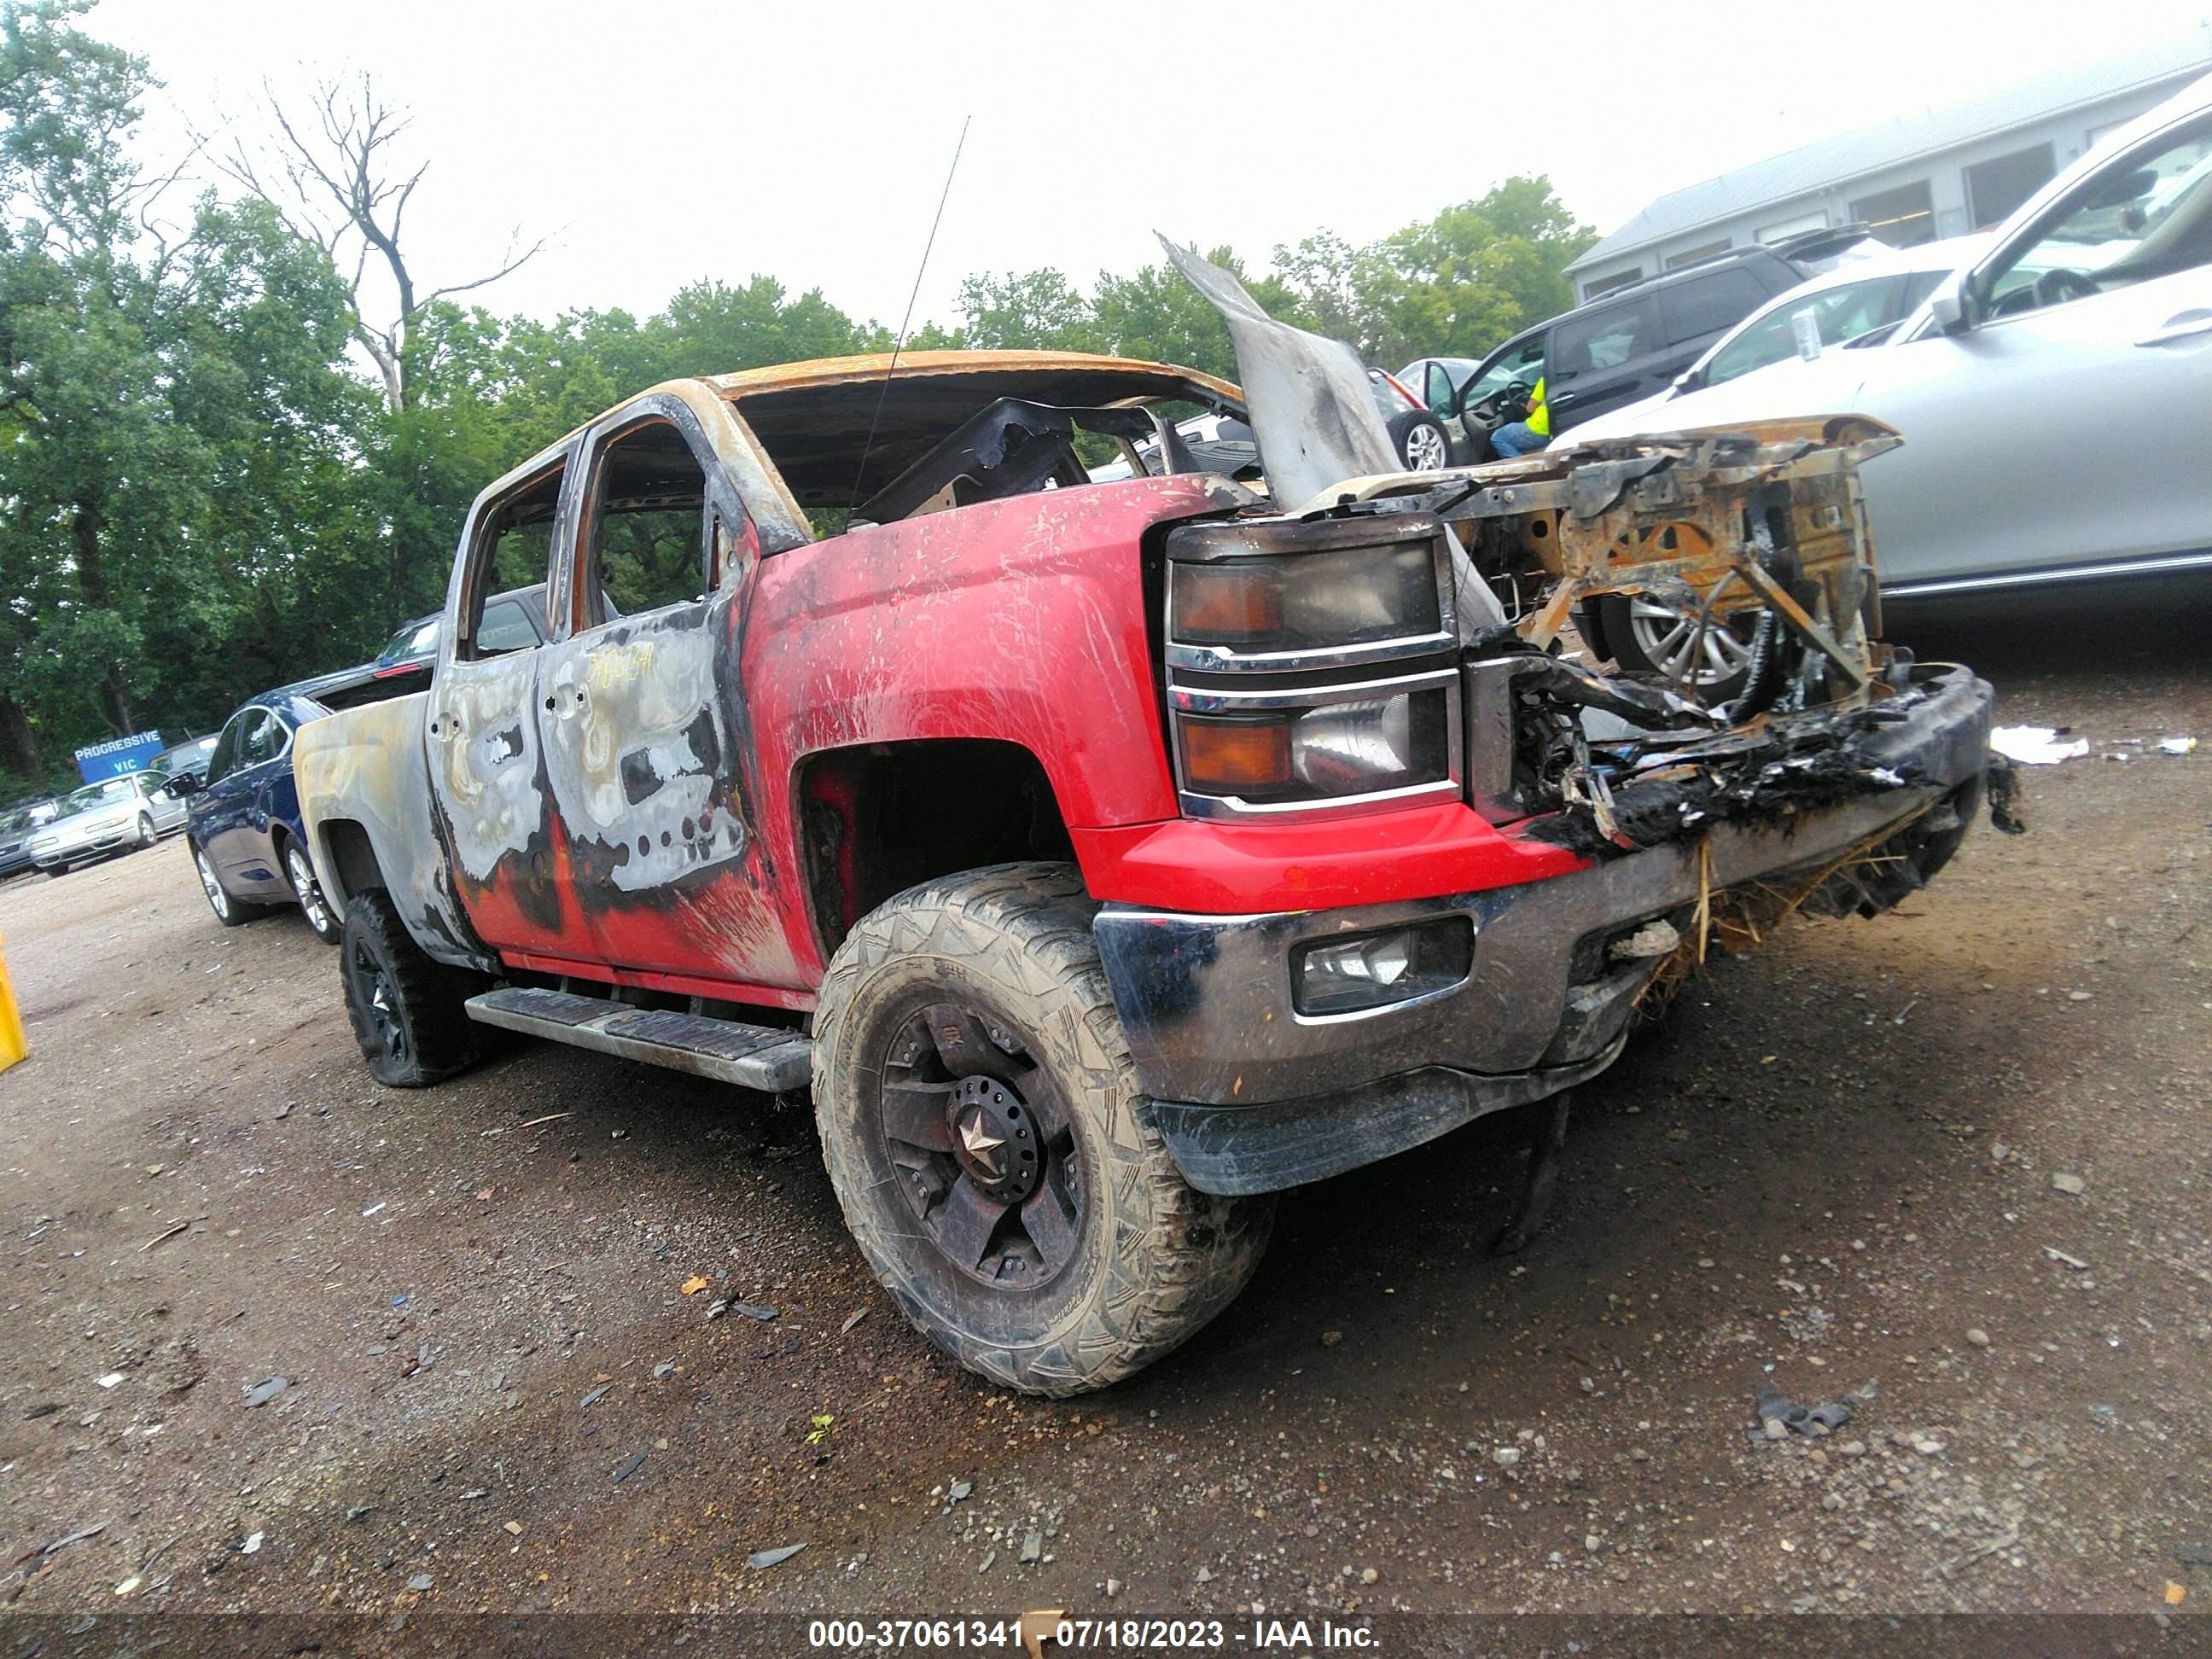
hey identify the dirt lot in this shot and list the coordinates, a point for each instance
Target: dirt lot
(1835, 1164)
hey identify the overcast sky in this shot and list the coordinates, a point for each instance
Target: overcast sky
(656, 144)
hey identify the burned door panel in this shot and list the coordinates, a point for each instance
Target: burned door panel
(482, 735)
(647, 751)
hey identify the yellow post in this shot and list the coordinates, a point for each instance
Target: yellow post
(12, 1047)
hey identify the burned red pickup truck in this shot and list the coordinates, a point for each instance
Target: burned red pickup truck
(1107, 857)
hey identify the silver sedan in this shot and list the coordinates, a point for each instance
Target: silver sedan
(112, 816)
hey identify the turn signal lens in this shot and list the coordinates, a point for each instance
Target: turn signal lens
(1236, 757)
(1234, 603)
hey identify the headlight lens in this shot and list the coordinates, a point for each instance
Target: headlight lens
(1308, 601)
(1292, 755)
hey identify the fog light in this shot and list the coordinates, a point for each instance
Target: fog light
(1374, 970)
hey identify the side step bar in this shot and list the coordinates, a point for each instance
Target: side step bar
(759, 1057)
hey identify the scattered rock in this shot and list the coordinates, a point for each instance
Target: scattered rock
(1506, 1456)
(1978, 1336)
(761, 1559)
(266, 1390)
(1204, 1575)
(2073, 1185)
(1032, 1546)
(753, 1310)
(1368, 1575)
(513, 1527)
(628, 1466)
(716, 1309)
(599, 1393)
(1113, 1588)
(851, 1320)
(420, 1581)
(251, 1546)
(1330, 1339)
(961, 1491)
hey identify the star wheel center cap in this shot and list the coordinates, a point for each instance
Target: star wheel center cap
(994, 1138)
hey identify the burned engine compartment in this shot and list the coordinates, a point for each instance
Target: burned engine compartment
(1763, 529)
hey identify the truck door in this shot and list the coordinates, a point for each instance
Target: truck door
(482, 729)
(643, 729)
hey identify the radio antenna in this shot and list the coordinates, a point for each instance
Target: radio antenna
(899, 345)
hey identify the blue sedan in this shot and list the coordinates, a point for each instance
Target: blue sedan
(247, 843)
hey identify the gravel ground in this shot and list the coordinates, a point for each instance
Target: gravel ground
(1958, 1153)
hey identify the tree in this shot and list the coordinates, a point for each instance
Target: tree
(334, 179)
(176, 465)
(1036, 311)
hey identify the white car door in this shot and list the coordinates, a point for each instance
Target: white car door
(2067, 423)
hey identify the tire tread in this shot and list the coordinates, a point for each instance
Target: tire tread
(1167, 1280)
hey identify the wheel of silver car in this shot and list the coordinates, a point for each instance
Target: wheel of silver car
(146, 835)
(1651, 636)
(995, 1158)
(300, 871)
(1426, 450)
(228, 910)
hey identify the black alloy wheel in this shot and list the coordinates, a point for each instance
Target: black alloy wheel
(985, 1146)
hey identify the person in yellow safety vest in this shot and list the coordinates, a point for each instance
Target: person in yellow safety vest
(1532, 431)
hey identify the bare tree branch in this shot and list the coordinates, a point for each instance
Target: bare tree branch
(339, 186)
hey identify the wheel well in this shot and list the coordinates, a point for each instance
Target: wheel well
(877, 820)
(349, 860)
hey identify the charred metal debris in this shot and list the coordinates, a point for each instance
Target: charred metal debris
(1762, 531)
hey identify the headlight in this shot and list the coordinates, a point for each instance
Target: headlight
(1308, 601)
(1310, 664)
(1280, 749)
(1287, 595)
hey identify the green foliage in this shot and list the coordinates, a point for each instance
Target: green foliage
(201, 495)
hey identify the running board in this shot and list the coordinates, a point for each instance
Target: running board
(762, 1057)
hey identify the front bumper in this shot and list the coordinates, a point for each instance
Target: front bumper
(1252, 1096)
(90, 846)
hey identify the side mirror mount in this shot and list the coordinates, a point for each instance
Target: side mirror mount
(180, 785)
(1951, 304)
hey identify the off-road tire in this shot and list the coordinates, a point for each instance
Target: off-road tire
(1153, 1258)
(436, 1038)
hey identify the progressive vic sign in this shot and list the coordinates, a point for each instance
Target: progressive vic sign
(117, 755)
